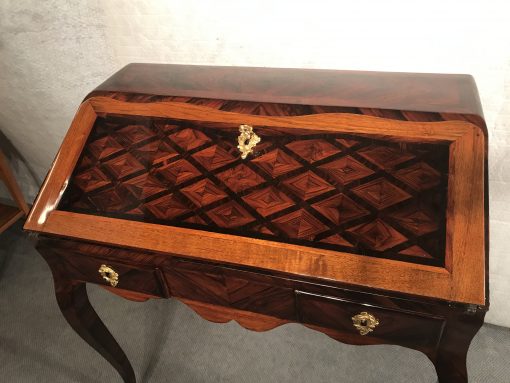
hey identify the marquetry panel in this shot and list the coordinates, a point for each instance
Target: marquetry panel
(313, 150)
(357, 194)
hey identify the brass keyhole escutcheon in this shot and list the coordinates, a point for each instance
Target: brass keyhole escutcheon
(109, 275)
(364, 322)
(247, 140)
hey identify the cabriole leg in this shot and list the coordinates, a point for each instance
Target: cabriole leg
(74, 303)
(450, 359)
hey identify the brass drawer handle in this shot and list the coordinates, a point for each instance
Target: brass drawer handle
(109, 275)
(247, 140)
(365, 322)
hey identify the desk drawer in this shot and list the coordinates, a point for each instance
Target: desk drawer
(236, 289)
(81, 261)
(389, 326)
(128, 277)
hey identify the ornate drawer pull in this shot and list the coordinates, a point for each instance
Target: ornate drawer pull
(109, 275)
(365, 322)
(247, 140)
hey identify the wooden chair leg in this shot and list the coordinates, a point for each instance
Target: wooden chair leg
(12, 185)
(74, 303)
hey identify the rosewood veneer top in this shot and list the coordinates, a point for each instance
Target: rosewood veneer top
(425, 92)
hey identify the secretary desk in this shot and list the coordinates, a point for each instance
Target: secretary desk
(354, 203)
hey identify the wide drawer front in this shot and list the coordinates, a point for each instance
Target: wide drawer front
(237, 289)
(383, 325)
(113, 274)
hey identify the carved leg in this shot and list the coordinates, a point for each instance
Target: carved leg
(74, 303)
(450, 358)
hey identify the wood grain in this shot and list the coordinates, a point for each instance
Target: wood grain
(62, 166)
(426, 92)
(247, 319)
(130, 295)
(380, 273)
(327, 122)
(395, 327)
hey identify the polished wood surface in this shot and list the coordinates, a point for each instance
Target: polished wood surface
(116, 199)
(395, 327)
(63, 165)
(75, 306)
(463, 279)
(440, 93)
(247, 319)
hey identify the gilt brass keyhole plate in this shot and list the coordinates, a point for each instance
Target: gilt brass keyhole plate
(365, 323)
(109, 275)
(247, 140)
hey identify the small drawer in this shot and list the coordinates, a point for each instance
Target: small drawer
(385, 325)
(87, 269)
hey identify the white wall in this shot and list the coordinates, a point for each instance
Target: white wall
(53, 52)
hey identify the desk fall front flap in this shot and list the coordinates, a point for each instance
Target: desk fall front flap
(366, 178)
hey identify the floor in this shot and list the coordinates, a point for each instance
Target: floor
(168, 342)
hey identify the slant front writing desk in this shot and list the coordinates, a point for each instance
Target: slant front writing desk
(354, 203)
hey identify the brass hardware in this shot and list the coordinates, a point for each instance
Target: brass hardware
(365, 322)
(109, 275)
(247, 140)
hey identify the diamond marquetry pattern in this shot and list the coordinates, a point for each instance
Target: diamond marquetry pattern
(313, 150)
(91, 179)
(337, 239)
(384, 156)
(419, 176)
(156, 152)
(144, 186)
(240, 177)
(123, 166)
(203, 193)
(300, 224)
(268, 200)
(276, 163)
(178, 172)
(166, 207)
(189, 139)
(417, 220)
(109, 200)
(377, 235)
(308, 185)
(214, 157)
(104, 147)
(346, 170)
(133, 134)
(340, 209)
(230, 215)
(333, 191)
(381, 193)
